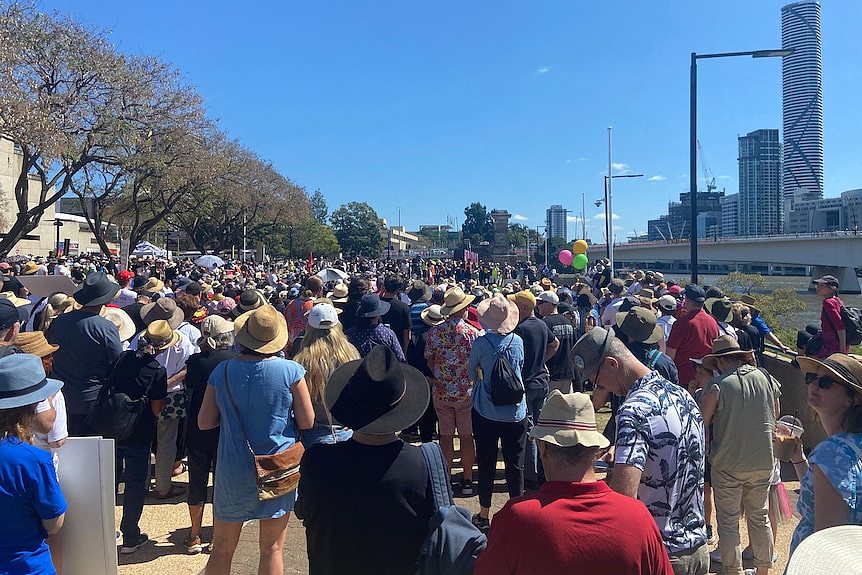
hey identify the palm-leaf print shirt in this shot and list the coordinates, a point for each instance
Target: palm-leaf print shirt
(660, 432)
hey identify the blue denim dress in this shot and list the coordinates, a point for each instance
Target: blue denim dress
(262, 391)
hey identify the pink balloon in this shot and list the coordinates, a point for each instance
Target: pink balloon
(566, 257)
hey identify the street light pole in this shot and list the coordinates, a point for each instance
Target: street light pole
(609, 214)
(692, 143)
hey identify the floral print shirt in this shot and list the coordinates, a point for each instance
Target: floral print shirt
(839, 457)
(660, 432)
(448, 351)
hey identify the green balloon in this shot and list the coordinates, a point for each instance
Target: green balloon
(580, 261)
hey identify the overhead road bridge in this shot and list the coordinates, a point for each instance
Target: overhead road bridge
(838, 254)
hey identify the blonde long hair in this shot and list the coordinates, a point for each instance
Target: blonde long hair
(322, 352)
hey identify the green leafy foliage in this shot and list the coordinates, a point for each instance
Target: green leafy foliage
(357, 227)
(478, 225)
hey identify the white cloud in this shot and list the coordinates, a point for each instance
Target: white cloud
(722, 178)
(582, 159)
(656, 179)
(617, 228)
(601, 216)
(619, 166)
(571, 219)
(568, 161)
(543, 70)
(519, 218)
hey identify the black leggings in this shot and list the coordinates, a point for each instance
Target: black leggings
(200, 463)
(512, 437)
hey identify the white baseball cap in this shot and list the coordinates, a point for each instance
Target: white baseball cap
(548, 297)
(322, 316)
(667, 303)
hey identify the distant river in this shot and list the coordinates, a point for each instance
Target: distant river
(798, 283)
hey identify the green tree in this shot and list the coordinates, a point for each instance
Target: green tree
(478, 225)
(357, 227)
(520, 235)
(740, 283)
(319, 208)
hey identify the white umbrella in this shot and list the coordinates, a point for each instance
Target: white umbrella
(148, 249)
(332, 274)
(209, 261)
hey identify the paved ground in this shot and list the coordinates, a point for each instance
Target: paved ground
(167, 523)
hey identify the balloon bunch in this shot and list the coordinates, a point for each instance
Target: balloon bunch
(577, 257)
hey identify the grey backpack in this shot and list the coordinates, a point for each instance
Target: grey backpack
(453, 542)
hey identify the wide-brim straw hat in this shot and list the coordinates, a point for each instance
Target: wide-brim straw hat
(719, 308)
(163, 308)
(338, 293)
(431, 315)
(153, 285)
(377, 395)
(829, 552)
(34, 342)
(262, 330)
(498, 314)
(125, 325)
(751, 303)
(455, 300)
(161, 335)
(725, 346)
(568, 420)
(29, 269)
(845, 368)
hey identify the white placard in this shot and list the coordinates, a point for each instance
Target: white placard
(87, 479)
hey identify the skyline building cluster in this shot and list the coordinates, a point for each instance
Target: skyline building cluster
(775, 178)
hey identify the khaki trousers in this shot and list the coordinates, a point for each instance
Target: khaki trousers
(734, 494)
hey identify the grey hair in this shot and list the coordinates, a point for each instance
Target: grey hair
(223, 339)
(571, 456)
(616, 348)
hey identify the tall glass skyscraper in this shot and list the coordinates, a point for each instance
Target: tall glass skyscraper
(802, 91)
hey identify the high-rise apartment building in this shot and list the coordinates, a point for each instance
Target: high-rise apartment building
(802, 91)
(759, 184)
(555, 220)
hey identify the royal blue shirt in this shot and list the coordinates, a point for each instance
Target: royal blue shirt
(29, 493)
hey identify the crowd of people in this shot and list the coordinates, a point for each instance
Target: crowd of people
(232, 373)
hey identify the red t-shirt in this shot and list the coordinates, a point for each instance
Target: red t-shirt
(574, 528)
(691, 336)
(830, 324)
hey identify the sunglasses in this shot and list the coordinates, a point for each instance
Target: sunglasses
(823, 381)
(601, 357)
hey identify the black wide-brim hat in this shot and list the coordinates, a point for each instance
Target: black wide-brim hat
(97, 289)
(378, 394)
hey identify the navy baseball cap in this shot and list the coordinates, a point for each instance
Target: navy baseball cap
(9, 314)
(695, 293)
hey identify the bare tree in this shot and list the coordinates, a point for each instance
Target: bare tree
(66, 97)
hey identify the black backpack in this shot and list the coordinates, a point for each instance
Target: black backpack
(852, 319)
(116, 415)
(506, 387)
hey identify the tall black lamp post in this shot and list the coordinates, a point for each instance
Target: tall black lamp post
(692, 149)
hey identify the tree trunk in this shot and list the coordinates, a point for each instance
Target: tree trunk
(23, 225)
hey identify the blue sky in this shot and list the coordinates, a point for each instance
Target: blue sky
(428, 106)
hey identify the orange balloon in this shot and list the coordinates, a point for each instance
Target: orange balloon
(579, 247)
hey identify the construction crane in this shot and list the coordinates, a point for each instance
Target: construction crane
(707, 173)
